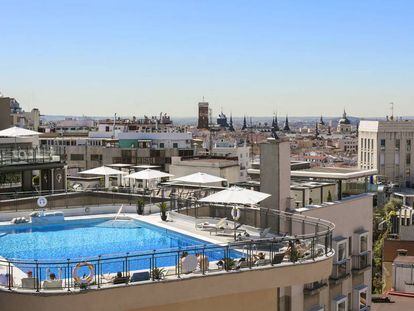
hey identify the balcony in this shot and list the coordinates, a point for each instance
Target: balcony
(340, 270)
(314, 287)
(361, 262)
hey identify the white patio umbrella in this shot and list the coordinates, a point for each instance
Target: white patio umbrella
(17, 132)
(144, 166)
(148, 174)
(103, 171)
(236, 195)
(200, 178)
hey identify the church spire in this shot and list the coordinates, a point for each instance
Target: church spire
(286, 128)
(231, 128)
(244, 123)
(276, 123)
(321, 122)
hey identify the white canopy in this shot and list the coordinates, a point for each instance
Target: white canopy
(103, 170)
(200, 178)
(236, 195)
(148, 174)
(17, 132)
(145, 166)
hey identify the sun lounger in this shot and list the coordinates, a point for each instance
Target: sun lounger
(189, 264)
(222, 223)
(29, 283)
(278, 258)
(140, 276)
(264, 233)
(262, 262)
(52, 284)
(121, 280)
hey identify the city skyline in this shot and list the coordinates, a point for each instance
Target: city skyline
(102, 57)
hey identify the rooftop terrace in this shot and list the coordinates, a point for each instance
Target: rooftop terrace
(282, 231)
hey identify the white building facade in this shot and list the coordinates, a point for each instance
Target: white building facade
(387, 147)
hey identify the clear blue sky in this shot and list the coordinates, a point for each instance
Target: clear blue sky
(249, 57)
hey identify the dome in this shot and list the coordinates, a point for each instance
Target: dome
(344, 119)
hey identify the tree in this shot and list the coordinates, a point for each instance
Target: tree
(381, 214)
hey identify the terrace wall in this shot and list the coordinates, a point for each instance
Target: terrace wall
(73, 199)
(244, 290)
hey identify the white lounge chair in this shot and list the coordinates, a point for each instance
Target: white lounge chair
(264, 233)
(189, 264)
(52, 284)
(29, 283)
(222, 223)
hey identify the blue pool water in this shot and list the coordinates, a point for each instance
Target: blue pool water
(88, 239)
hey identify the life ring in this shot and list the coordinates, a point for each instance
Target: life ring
(235, 213)
(87, 210)
(89, 277)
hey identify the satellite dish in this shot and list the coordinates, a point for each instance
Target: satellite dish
(41, 202)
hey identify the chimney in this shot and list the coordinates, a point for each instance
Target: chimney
(402, 252)
(275, 173)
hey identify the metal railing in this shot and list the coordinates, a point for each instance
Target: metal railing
(341, 270)
(361, 261)
(279, 222)
(156, 265)
(314, 287)
(295, 239)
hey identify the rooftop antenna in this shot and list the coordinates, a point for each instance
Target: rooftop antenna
(392, 110)
(113, 128)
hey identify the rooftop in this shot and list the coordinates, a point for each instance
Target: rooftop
(333, 173)
(404, 259)
(391, 247)
(181, 223)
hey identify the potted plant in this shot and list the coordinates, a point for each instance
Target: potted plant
(158, 273)
(83, 286)
(140, 206)
(294, 255)
(163, 210)
(329, 199)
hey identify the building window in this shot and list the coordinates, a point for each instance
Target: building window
(175, 145)
(96, 157)
(397, 144)
(397, 158)
(409, 145)
(408, 158)
(382, 142)
(360, 297)
(340, 303)
(76, 157)
(341, 250)
(363, 242)
(161, 145)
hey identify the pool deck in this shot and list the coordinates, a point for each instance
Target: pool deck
(178, 223)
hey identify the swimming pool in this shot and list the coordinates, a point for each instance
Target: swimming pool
(87, 239)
